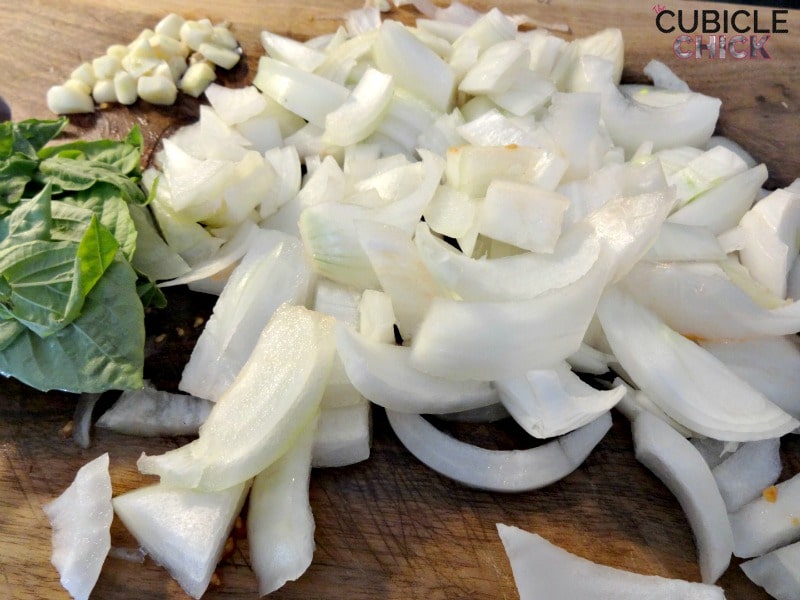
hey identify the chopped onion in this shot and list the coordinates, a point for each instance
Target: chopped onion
(690, 385)
(82, 421)
(153, 412)
(681, 468)
(497, 470)
(271, 273)
(776, 572)
(769, 521)
(489, 340)
(272, 399)
(343, 436)
(280, 525)
(383, 374)
(182, 530)
(81, 519)
(551, 402)
(543, 571)
(744, 474)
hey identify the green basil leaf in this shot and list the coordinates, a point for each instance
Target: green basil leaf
(100, 350)
(66, 174)
(9, 330)
(149, 293)
(30, 220)
(122, 156)
(49, 281)
(104, 200)
(16, 171)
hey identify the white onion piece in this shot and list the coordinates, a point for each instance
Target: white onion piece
(276, 393)
(690, 385)
(538, 215)
(573, 121)
(182, 530)
(770, 364)
(590, 360)
(272, 272)
(280, 525)
(700, 300)
(606, 45)
(528, 93)
(496, 69)
(152, 412)
(705, 171)
(635, 402)
(551, 402)
(688, 118)
(777, 572)
(771, 242)
(544, 571)
(514, 277)
(611, 181)
(744, 474)
(81, 519)
(664, 77)
(678, 242)
(235, 105)
(497, 470)
(362, 20)
(768, 522)
(493, 128)
(291, 51)
(451, 212)
(681, 468)
(414, 66)
(723, 206)
(401, 273)
(360, 114)
(215, 270)
(343, 436)
(629, 225)
(305, 94)
(490, 340)
(383, 374)
(329, 233)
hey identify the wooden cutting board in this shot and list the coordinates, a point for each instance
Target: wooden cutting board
(389, 527)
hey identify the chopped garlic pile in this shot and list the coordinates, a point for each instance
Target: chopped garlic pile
(177, 55)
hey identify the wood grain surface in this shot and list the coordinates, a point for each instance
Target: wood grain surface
(387, 528)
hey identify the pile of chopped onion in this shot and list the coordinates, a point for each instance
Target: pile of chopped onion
(458, 218)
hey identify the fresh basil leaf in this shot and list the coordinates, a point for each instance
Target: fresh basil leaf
(16, 171)
(30, 220)
(104, 200)
(9, 330)
(122, 156)
(49, 281)
(100, 350)
(40, 132)
(66, 174)
(28, 137)
(69, 221)
(149, 293)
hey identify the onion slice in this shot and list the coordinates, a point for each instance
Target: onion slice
(490, 340)
(551, 402)
(777, 572)
(768, 522)
(280, 525)
(272, 399)
(81, 518)
(690, 385)
(682, 469)
(497, 470)
(182, 530)
(543, 571)
(753, 467)
(383, 374)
